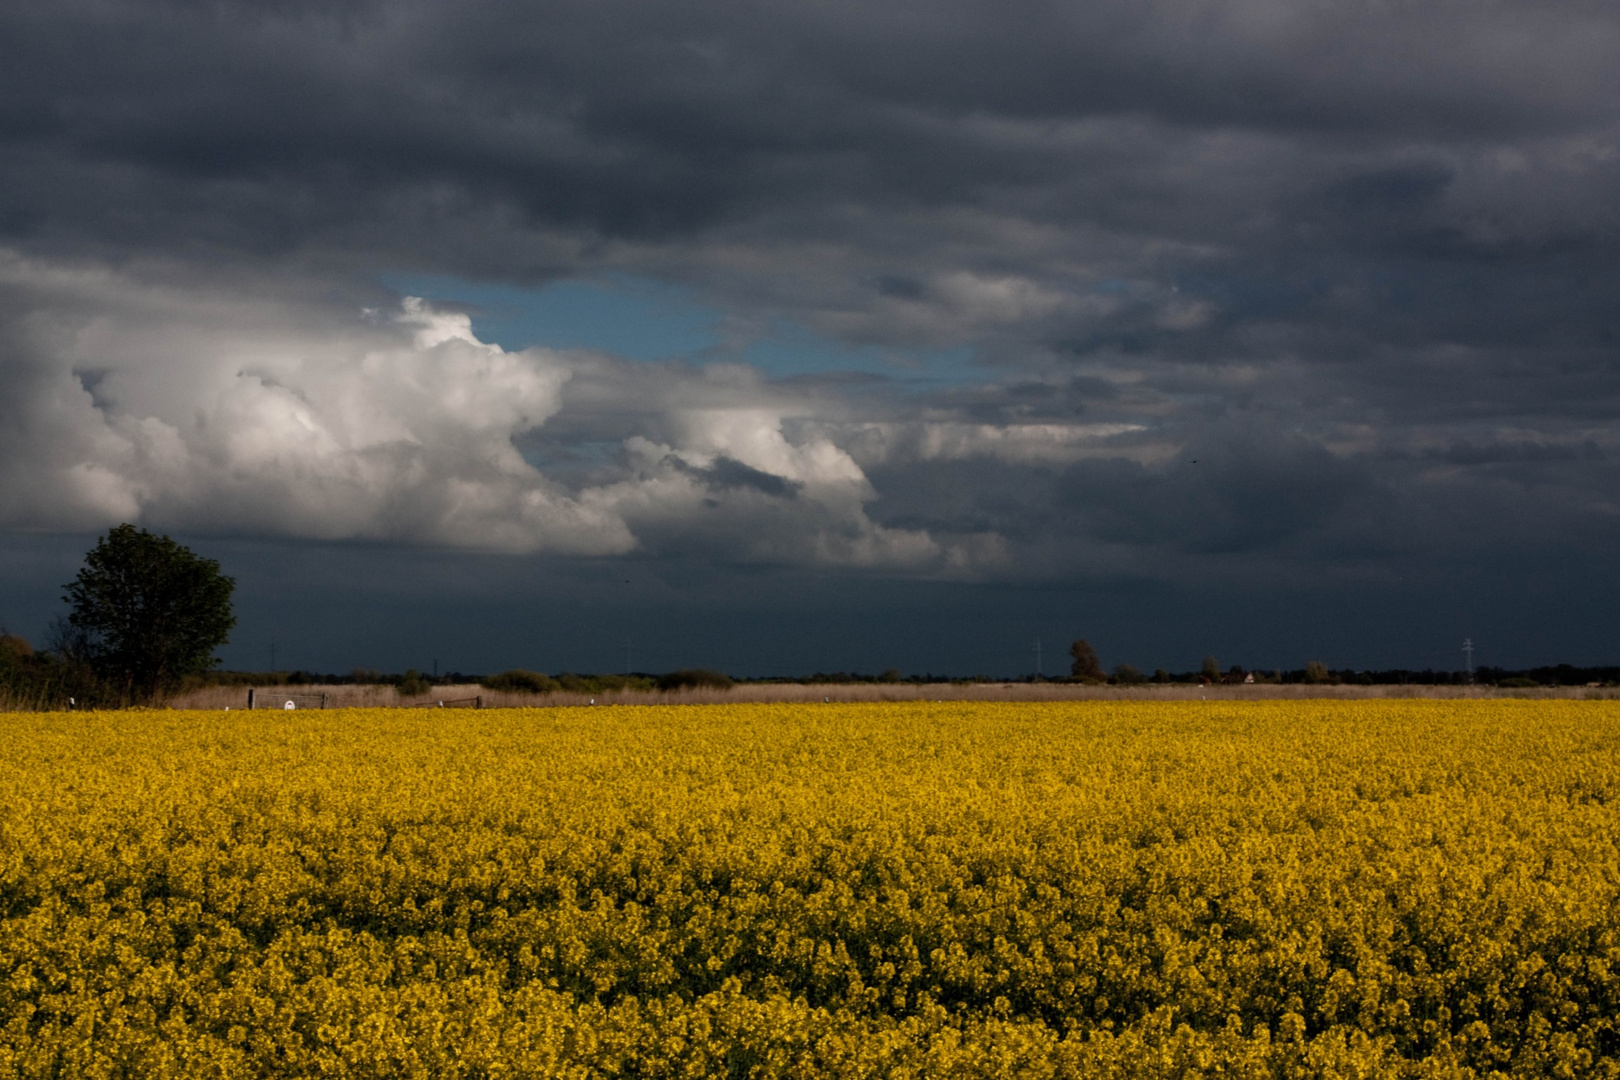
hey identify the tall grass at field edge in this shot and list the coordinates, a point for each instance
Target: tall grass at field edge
(385, 696)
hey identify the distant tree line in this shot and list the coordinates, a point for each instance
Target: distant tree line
(538, 683)
(1086, 667)
(49, 679)
(520, 680)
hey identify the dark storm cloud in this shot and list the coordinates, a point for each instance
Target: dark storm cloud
(628, 119)
(1240, 495)
(1253, 287)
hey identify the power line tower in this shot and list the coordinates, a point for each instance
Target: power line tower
(1038, 673)
(1468, 658)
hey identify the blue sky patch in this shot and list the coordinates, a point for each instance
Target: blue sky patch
(631, 317)
(647, 320)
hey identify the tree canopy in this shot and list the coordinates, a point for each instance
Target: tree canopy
(1086, 665)
(148, 611)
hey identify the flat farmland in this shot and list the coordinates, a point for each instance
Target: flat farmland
(1354, 888)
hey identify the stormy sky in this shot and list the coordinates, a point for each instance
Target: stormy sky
(784, 337)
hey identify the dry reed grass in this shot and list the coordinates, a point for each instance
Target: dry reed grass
(372, 696)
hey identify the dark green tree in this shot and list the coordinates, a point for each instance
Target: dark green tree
(1128, 675)
(148, 612)
(1086, 666)
(414, 684)
(531, 682)
(1211, 670)
(696, 679)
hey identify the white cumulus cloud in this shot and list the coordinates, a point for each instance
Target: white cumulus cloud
(232, 408)
(210, 410)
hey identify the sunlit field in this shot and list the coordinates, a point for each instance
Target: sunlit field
(1084, 889)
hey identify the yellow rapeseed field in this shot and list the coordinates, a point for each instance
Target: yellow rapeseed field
(1115, 889)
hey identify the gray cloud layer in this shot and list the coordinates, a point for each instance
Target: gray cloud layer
(1256, 288)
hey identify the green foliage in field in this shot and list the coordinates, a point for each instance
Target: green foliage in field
(696, 678)
(532, 682)
(1268, 889)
